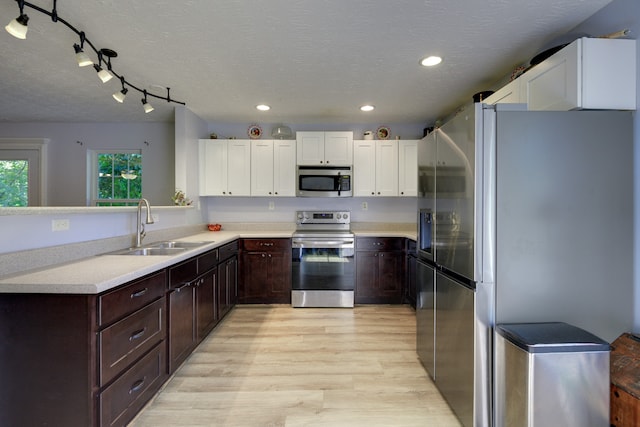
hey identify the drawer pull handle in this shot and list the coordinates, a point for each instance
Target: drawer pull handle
(139, 293)
(182, 286)
(137, 334)
(137, 385)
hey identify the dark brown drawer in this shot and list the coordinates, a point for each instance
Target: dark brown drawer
(207, 261)
(379, 244)
(123, 399)
(183, 273)
(228, 250)
(125, 341)
(122, 301)
(266, 245)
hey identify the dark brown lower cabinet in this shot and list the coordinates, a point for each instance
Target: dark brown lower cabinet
(82, 360)
(96, 360)
(379, 270)
(265, 266)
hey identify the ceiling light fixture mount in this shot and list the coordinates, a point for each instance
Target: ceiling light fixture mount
(18, 28)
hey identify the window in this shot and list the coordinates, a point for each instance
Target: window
(117, 178)
(22, 169)
(14, 183)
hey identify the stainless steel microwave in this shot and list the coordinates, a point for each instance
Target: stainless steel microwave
(324, 181)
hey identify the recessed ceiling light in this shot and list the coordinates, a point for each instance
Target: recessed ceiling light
(263, 107)
(367, 108)
(430, 61)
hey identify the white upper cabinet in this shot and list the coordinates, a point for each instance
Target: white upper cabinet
(325, 148)
(224, 167)
(408, 168)
(589, 73)
(273, 168)
(375, 168)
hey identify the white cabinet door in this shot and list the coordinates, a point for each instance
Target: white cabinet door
(364, 168)
(212, 167)
(239, 167)
(338, 148)
(325, 148)
(554, 84)
(310, 148)
(262, 168)
(408, 168)
(273, 168)
(387, 168)
(284, 168)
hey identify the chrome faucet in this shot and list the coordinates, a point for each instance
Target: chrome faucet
(140, 233)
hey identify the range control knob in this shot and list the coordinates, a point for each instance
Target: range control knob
(299, 215)
(339, 216)
(345, 216)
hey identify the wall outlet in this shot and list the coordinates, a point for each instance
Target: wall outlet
(59, 224)
(156, 217)
(365, 206)
(272, 206)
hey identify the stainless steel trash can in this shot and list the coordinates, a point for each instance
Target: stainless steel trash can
(550, 374)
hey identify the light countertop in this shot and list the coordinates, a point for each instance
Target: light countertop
(100, 273)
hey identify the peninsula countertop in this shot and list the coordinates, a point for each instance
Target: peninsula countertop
(100, 273)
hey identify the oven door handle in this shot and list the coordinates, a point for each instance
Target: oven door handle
(322, 244)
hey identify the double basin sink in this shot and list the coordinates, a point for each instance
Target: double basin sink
(160, 248)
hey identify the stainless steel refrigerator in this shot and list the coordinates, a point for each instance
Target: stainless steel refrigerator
(524, 216)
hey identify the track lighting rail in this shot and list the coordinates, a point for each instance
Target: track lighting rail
(21, 24)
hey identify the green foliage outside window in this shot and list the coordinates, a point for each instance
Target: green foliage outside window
(14, 183)
(119, 179)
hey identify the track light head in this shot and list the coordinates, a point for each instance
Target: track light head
(145, 104)
(82, 58)
(18, 27)
(119, 96)
(147, 107)
(104, 75)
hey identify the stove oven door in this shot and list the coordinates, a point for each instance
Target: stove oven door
(323, 272)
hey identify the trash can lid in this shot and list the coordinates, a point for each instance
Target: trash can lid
(551, 337)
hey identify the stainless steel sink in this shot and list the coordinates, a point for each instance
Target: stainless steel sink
(176, 244)
(148, 251)
(159, 248)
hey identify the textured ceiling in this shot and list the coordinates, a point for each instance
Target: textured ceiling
(313, 61)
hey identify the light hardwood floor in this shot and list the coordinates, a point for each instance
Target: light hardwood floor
(280, 366)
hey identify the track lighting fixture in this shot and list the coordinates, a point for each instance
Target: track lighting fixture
(145, 104)
(18, 28)
(119, 96)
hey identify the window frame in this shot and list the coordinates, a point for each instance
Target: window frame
(35, 150)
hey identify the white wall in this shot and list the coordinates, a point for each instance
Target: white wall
(256, 209)
(619, 15)
(67, 155)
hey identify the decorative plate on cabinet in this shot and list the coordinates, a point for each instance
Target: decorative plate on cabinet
(383, 132)
(254, 132)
